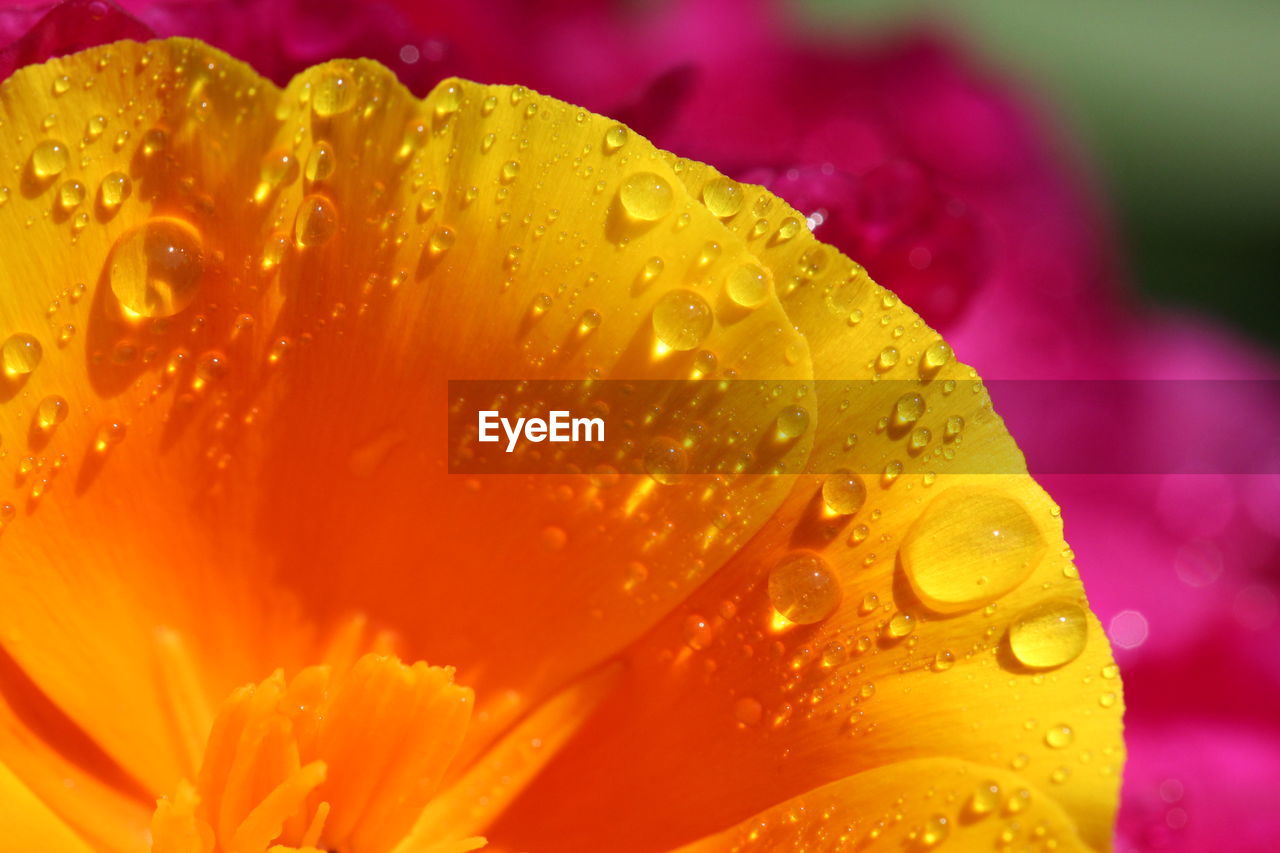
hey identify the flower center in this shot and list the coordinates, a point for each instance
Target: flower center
(327, 761)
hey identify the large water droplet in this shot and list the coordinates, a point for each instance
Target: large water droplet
(969, 547)
(646, 196)
(21, 354)
(682, 319)
(1049, 635)
(803, 589)
(156, 268)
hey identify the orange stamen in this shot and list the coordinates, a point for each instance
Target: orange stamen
(329, 760)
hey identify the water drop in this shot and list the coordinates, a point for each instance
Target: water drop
(803, 589)
(51, 412)
(315, 222)
(21, 354)
(108, 436)
(969, 547)
(320, 162)
(908, 409)
(70, 195)
(722, 197)
(899, 625)
(646, 196)
(156, 268)
(985, 799)
(665, 460)
(114, 190)
(844, 492)
(748, 285)
(1049, 635)
(49, 159)
(1059, 737)
(334, 94)
(697, 633)
(792, 422)
(615, 137)
(681, 319)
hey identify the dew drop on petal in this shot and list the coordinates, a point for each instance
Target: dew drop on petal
(1048, 635)
(1059, 737)
(51, 412)
(114, 190)
(748, 285)
(70, 195)
(843, 492)
(615, 137)
(908, 409)
(985, 799)
(969, 547)
(156, 268)
(792, 422)
(665, 460)
(49, 159)
(334, 94)
(21, 354)
(315, 222)
(646, 196)
(803, 589)
(681, 319)
(722, 197)
(320, 162)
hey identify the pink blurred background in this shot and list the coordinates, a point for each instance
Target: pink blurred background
(1052, 187)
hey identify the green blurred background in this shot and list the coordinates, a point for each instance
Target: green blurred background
(1176, 107)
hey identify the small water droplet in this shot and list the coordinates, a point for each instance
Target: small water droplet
(615, 137)
(315, 222)
(320, 162)
(21, 354)
(697, 633)
(792, 422)
(665, 460)
(51, 412)
(908, 409)
(1059, 736)
(70, 195)
(335, 93)
(114, 190)
(985, 799)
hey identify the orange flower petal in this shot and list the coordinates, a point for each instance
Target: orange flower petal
(272, 311)
(29, 824)
(916, 805)
(960, 627)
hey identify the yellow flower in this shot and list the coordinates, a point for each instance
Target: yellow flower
(228, 320)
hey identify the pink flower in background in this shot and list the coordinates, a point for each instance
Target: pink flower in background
(944, 184)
